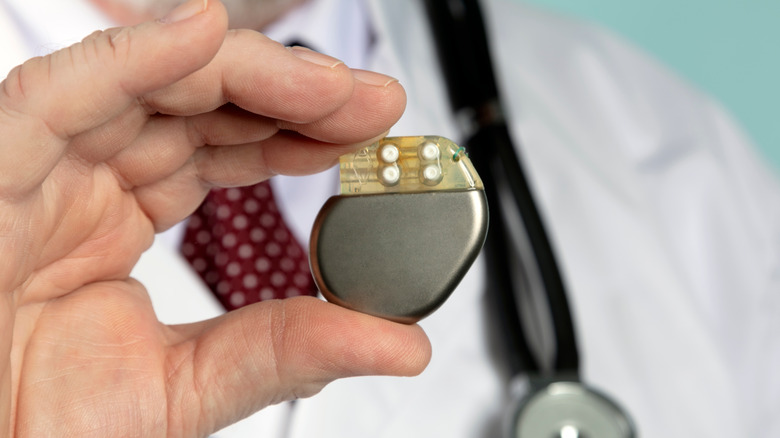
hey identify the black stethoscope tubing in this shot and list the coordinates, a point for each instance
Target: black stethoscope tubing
(551, 400)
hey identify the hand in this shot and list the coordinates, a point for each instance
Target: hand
(122, 135)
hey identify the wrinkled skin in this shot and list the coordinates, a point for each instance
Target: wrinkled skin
(120, 136)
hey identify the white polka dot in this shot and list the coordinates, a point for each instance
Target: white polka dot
(245, 251)
(223, 287)
(203, 237)
(267, 220)
(292, 292)
(266, 293)
(195, 222)
(281, 235)
(221, 259)
(199, 265)
(301, 280)
(211, 249)
(251, 206)
(250, 281)
(287, 264)
(262, 264)
(188, 249)
(218, 230)
(233, 194)
(211, 277)
(273, 249)
(293, 250)
(240, 222)
(257, 235)
(261, 191)
(237, 299)
(233, 269)
(209, 207)
(229, 240)
(278, 279)
(223, 212)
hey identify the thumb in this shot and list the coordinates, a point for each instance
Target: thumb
(280, 350)
(89, 83)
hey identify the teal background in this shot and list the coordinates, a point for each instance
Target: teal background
(729, 48)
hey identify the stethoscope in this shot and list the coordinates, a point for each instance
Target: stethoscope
(526, 292)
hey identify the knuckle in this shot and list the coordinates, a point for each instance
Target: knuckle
(120, 42)
(110, 45)
(12, 88)
(25, 81)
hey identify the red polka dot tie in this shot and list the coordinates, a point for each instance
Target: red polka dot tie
(239, 244)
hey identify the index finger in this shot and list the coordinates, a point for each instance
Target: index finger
(262, 76)
(305, 91)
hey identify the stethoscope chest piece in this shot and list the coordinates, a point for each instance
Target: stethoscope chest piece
(567, 410)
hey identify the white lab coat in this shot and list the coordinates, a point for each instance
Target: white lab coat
(666, 226)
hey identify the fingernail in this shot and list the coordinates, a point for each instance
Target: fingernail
(373, 78)
(186, 10)
(315, 57)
